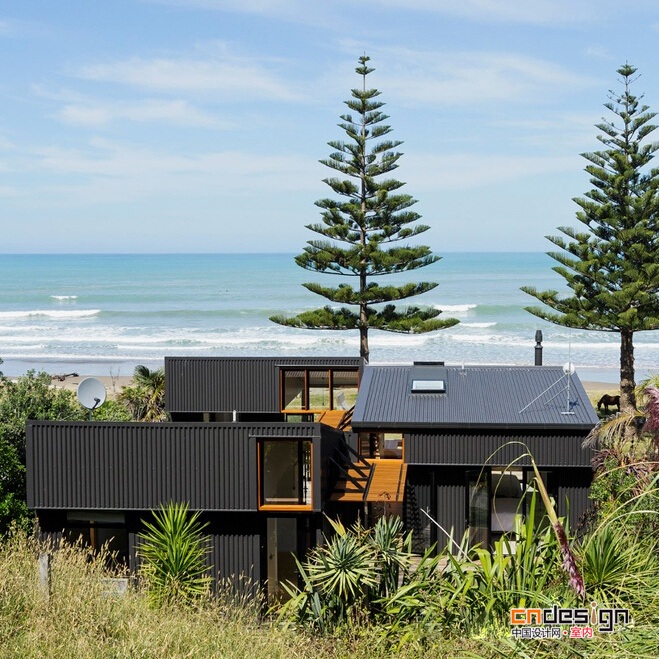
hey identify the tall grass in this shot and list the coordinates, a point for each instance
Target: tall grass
(83, 618)
(443, 607)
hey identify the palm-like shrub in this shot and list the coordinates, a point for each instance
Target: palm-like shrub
(620, 557)
(349, 575)
(173, 552)
(145, 398)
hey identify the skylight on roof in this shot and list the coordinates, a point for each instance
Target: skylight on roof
(428, 387)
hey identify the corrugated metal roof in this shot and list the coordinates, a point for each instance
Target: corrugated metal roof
(476, 396)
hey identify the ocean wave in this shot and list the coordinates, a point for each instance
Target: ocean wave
(49, 313)
(455, 308)
(64, 297)
(478, 325)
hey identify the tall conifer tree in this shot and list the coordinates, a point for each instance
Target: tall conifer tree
(358, 230)
(612, 264)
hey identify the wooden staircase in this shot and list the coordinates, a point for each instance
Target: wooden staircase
(372, 480)
(340, 419)
(354, 483)
(387, 481)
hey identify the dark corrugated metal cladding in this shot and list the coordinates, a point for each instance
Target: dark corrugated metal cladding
(573, 495)
(223, 384)
(454, 448)
(138, 466)
(475, 396)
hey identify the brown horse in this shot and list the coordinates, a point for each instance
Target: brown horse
(607, 400)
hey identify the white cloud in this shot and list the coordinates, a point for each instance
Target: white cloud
(533, 12)
(304, 12)
(539, 12)
(149, 111)
(459, 78)
(108, 172)
(227, 77)
(462, 171)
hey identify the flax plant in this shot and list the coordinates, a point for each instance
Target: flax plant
(575, 579)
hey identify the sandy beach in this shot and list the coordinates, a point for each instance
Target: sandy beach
(113, 384)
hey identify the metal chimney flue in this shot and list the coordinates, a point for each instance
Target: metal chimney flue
(538, 348)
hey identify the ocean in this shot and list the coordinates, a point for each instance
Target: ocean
(104, 314)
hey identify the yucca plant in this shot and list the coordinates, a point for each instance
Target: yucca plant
(353, 574)
(173, 552)
(343, 571)
(393, 553)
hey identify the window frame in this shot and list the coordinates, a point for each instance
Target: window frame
(306, 373)
(284, 507)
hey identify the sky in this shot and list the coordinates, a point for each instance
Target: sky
(198, 125)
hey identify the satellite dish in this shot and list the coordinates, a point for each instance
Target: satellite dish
(568, 368)
(91, 393)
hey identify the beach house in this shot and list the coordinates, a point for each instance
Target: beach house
(268, 448)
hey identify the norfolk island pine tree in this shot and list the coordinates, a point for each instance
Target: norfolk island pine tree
(612, 265)
(359, 230)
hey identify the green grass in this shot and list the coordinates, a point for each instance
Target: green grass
(80, 618)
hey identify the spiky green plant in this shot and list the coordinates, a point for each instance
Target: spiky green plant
(393, 553)
(173, 552)
(145, 398)
(620, 557)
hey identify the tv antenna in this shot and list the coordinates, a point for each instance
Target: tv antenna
(568, 371)
(91, 394)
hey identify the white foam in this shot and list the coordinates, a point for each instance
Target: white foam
(477, 324)
(64, 297)
(455, 308)
(49, 313)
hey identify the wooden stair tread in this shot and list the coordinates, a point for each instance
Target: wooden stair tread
(332, 418)
(388, 481)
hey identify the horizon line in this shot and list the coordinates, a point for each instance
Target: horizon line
(256, 253)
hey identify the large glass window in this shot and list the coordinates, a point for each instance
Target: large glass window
(285, 473)
(282, 546)
(98, 530)
(506, 501)
(344, 389)
(318, 389)
(293, 386)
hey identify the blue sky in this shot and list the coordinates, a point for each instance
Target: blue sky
(197, 125)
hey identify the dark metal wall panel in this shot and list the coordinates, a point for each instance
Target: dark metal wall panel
(224, 384)
(237, 556)
(451, 505)
(441, 493)
(478, 448)
(138, 466)
(419, 495)
(573, 492)
(220, 385)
